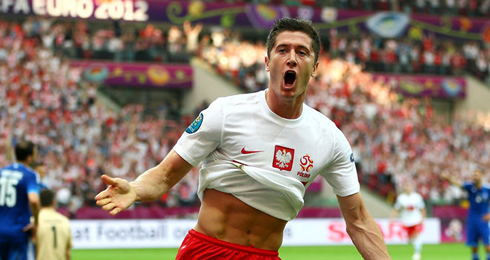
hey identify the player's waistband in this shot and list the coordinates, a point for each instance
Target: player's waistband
(248, 249)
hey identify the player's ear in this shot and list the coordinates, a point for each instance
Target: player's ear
(266, 59)
(315, 68)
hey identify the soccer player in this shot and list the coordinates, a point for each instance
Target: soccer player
(411, 207)
(260, 151)
(478, 214)
(19, 199)
(40, 170)
(53, 232)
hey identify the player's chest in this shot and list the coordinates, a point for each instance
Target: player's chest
(480, 195)
(289, 153)
(408, 203)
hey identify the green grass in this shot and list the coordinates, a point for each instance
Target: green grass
(397, 252)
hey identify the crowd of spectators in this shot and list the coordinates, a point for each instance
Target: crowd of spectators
(418, 53)
(395, 139)
(79, 138)
(231, 53)
(241, 59)
(111, 41)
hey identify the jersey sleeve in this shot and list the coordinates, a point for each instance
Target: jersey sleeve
(31, 183)
(341, 173)
(467, 186)
(203, 135)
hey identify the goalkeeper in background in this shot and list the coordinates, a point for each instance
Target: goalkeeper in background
(53, 233)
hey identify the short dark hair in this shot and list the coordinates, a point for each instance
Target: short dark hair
(294, 25)
(47, 197)
(24, 149)
(36, 164)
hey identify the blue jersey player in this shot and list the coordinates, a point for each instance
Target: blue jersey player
(19, 200)
(478, 213)
(40, 170)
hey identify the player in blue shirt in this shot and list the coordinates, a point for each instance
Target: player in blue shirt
(40, 170)
(19, 196)
(478, 212)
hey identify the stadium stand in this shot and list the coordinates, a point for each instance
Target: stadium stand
(471, 8)
(396, 138)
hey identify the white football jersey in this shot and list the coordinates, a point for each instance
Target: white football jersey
(409, 206)
(265, 160)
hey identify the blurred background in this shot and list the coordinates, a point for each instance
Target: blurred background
(108, 86)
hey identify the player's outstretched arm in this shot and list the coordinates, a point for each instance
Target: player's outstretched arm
(151, 185)
(424, 214)
(362, 228)
(118, 196)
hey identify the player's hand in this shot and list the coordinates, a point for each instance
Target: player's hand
(31, 229)
(117, 197)
(28, 227)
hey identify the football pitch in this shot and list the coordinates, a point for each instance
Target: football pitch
(397, 252)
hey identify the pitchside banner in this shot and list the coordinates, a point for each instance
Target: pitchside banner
(96, 234)
(425, 85)
(134, 74)
(384, 24)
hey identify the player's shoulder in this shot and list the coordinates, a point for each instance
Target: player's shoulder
(315, 113)
(402, 196)
(239, 99)
(51, 213)
(318, 118)
(18, 169)
(419, 196)
(235, 103)
(62, 217)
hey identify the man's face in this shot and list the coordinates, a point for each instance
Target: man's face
(41, 169)
(291, 64)
(408, 188)
(477, 176)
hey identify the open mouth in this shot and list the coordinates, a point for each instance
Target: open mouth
(289, 78)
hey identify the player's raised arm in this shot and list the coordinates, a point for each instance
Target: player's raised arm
(362, 228)
(150, 185)
(451, 179)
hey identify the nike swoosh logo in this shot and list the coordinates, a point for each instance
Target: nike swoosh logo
(249, 152)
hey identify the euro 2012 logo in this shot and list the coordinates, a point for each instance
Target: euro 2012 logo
(194, 126)
(306, 163)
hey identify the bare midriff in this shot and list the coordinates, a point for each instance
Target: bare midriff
(225, 217)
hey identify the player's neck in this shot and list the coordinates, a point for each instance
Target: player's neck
(290, 109)
(25, 163)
